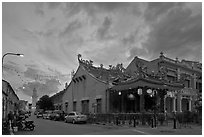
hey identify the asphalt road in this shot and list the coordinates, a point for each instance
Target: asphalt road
(48, 127)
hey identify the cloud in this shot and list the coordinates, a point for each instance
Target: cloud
(177, 32)
(103, 30)
(155, 9)
(70, 28)
(50, 86)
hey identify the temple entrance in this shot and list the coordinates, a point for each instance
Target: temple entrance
(169, 104)
(149, 102)
(185, 104)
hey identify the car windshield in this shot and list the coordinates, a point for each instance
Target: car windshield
(78, 113)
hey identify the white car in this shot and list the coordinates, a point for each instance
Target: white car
(75, 117)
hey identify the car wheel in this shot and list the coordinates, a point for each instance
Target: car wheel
(73, 121)
(65, 121)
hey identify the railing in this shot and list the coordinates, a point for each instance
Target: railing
(131, 119)
(142, 119)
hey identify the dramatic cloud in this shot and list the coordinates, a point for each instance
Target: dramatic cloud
(178, 33)
(52, 34)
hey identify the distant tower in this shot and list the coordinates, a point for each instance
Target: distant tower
(34, 98)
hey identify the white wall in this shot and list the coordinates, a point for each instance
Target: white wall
(90, 89)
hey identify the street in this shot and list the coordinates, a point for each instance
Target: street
(48, 127)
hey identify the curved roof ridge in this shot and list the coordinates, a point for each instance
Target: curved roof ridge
(92, 75)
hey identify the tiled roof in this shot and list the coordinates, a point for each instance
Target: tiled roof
(102, 73)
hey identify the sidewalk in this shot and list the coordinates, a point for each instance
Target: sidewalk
(192, 129)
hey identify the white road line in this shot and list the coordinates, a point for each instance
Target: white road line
(140, 131)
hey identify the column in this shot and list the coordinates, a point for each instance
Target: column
(174, 104)
(190, 100)
(107, 101)
(122, 103)
(142, 102)
(164, 103)
(179, 99)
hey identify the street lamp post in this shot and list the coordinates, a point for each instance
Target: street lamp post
(16, 54)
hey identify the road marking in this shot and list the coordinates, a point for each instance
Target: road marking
(140, 131)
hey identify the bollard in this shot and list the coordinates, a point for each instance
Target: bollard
(152, 123)
(174, 123)
(174, 120)
(134, 123)
(116, 120)
(155, 121)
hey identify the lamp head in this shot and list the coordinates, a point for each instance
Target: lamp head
(21, 55)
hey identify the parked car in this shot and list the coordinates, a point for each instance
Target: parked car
(36, 112)
(47, 114)
(75, 117)
(57, 115)
(39, 115)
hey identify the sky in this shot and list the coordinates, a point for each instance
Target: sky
(51, 35)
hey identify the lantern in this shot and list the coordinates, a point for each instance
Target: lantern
(139, 91)
(131, 97)
(149, 91)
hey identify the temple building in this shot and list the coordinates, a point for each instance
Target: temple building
(162, 84)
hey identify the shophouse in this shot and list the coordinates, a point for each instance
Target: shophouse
(189, 73)
(10, 101)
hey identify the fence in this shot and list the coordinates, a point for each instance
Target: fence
(135, 119)
(131, 119)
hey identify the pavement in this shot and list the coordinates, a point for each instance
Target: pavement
(110, 129)
(192, 129)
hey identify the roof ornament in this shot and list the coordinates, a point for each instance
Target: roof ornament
(79, 57)
(141, 69)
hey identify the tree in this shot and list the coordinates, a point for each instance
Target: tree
(45, 103)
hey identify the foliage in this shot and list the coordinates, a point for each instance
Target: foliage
(45, 103)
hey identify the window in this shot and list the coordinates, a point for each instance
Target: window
(187, 83)
(171, 78)
(71, 114)
(85, 106)
(99, 105)
(199, 86)
(66, 106)
(74, 105)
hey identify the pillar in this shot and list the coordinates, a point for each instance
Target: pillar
(190, 101)
(164, 103)
(122, 102)
(174, 104)
(179, 99)
(107, 101)
(142, 102)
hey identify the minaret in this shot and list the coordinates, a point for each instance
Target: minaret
(34, 98)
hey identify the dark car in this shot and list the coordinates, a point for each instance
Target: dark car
(39, 114)
(57, 115)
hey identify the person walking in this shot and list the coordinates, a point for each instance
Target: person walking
(10, 120)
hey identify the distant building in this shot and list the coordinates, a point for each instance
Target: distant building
(57, 100)
(34, 99)
(10, 100)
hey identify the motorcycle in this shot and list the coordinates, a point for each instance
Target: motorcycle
(25, 125)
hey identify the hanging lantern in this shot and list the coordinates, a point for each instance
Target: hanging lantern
(149, 91)
(139, 91)
(131, 97)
